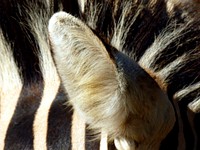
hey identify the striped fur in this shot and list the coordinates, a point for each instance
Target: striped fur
(101, 43)
(33, 110)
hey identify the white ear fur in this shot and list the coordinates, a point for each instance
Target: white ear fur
(86, 70)
(129, 105)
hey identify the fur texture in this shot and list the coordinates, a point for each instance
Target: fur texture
(134, 28)
(128, 68)
(113, 94)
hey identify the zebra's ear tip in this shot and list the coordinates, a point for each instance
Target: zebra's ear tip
(57, 21)
(61, 21)
(63, 27)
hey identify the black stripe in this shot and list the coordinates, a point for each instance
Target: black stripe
(69, 6)
(171, 141)
(59, 123)
(143, 30)
(187, 128)
(91, 141)
(20, 131)
(104, 10)
(147, 26)
(17, 31)
(13, 21)
(186, 43)
(186, 75)
(197, 129)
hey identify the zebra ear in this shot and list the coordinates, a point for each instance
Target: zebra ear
(81, 59)
(86, 70)
(110, 91)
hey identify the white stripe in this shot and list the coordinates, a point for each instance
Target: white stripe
(82, 4)
(195, 105)
(78, 132)
(104, 141)
(40, 124)
(51, 86)
(51, 82)
(171, 4)
(183, 92)
(122, 27)
(10, 87)
(160, 44)
(172, 66)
